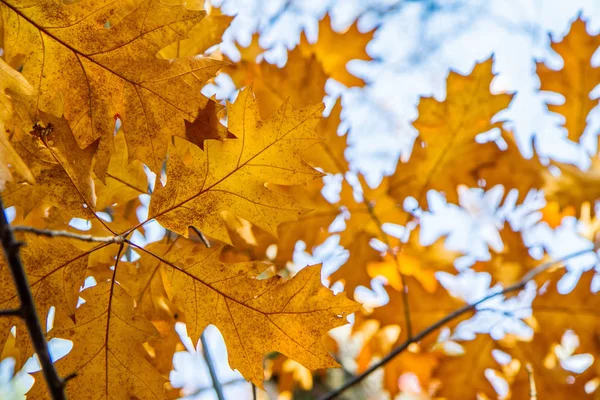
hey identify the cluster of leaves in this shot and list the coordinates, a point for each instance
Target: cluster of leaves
(95, 93)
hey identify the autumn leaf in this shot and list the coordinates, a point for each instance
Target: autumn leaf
(576, 80)
(446, 153)
(424, 308)
(573, 187)
(207, 126)
(124, 180)
(231, 175)
(554, 315)
(106, 365)
(301, 81)
(510, 264)
(288, 317)
(113, 70)
(11, 84)
(414, 259)
(334, 50)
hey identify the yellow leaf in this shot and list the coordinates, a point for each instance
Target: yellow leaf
(200, 38)
(446, 154)
(254, 316)
(334, 50)
(575, 80)
(207, 126)
(108, 366)
(231, 175)
(124, 180)
(92, 70)
(301, 80)
(12, 83)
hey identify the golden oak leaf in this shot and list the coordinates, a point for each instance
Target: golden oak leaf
(12, 83)
(200, 38)
(334, 50)
(414, 361)
(353, 272)
(207, 126)
(513, 171)
(554, 314)
(254, 316)
(231, 175)
(329, 154)
(107, 366)
(289, 375)
(552, 213)
(301, 80)
(369, 214)
(463, 376)
(573, 187)
(575, 80)
(125, 180)
(424, 308)
(510, 264)
(62, 170)
(414, 259)
(91, 70)
(251, 243)
(446, 154)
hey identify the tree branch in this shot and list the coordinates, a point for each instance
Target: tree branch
(27, 309)
(11, 312)
(71, 235)
(211, 367)
(448, 318)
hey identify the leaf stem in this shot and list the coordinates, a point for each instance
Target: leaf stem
(27, 309)
(211, 367)
(448, 318)
(67, 234)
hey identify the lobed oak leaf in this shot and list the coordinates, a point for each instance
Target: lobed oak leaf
(301, 80)
(12, 84)
(446, 153)
(62, 170)
(510, 264)
(425, 308)
(254, 316)
(329, 155)
(576, 80)
(462, 376)
(231, 175)
(90, 69)
(554, 315)
(125, 180)
(353, 273)
(107, 366)
(207, 126)
(200, 38)
(334, 50)
(573, 187)
(414, 259)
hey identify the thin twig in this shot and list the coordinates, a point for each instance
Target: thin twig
(448, 318)
(211, 368)
(27, 308)
(532, 388)
(11, 312)
(67, 234)
(254, 394)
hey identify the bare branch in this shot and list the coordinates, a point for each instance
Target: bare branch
(16, 312)
(71, 235)
(27, 309)
(448, 318)
(211, 367)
